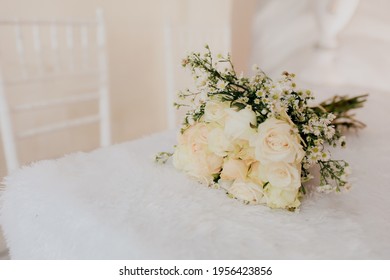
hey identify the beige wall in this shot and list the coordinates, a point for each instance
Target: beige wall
(135, 52)
(242, 17)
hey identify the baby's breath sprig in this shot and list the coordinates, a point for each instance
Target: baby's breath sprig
(334, 173)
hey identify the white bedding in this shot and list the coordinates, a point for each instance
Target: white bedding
(115, 203)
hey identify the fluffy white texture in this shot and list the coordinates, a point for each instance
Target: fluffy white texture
(115, 203)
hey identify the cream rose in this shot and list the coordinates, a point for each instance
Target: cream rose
(218, 142)
(196, 134)
(280, 174)
(253, 173)
(234, 169)
(246, 191)
(243, 150)
(283, 182)
(200, 163)
(281, 198)
(275, 141)
(192, 156)
(215, 111)
(238, 123)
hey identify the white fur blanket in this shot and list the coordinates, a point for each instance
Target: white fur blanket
(115, 203)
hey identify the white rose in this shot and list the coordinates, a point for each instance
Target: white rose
(234, 169)
(281, 198)
(283, 179)
(275, 141)
(253, 173)
(247, 191)
(193, 157)
(200, 164)
(280, 174)
(214, 111)
(218, 142)
(243, 150)
(209, 164)
(195, 134)
(238, 123)
(182, 158)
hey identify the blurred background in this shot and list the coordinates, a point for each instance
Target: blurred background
(66, 72)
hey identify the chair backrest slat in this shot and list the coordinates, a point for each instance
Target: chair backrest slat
(37, 47)
(52, 53)
(50, 77)
(70, 46)
(104, 108)
(84, 45)
(20, 49)
(89, 96)
(7, 133)
(59, 126)
(54, 46)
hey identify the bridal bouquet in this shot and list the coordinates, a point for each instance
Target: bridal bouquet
(256, 138)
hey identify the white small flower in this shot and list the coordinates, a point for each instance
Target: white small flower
(221, 84)
(331, 117)
(259, 93)
(316, 131)
(201, 81)
(255, 67)
(325, 156)
(203, 96)
(330, 132)
(306, 165)
(344, 177)
(326, 189)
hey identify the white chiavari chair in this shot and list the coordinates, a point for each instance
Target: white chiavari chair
(179, 41)
(52, 64)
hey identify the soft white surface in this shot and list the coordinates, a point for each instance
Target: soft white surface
(285, 34)
(115, 203)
